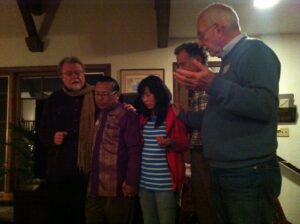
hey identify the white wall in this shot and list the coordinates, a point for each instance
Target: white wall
(287, 48)
(110, 34)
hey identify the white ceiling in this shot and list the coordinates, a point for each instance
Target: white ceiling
(284, 18)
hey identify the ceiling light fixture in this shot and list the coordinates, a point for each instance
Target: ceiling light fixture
(264, 4)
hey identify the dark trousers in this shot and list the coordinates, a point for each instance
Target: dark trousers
(247, 195)
(66, 199)
(112, 210)
(201, 187)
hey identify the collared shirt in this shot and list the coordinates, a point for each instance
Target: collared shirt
(198, 103)
(116, 152)
(231, 44)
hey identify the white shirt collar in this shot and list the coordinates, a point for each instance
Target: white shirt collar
(231, 44)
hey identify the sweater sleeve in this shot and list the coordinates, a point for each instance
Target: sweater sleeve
(252, 89)
(191, 119)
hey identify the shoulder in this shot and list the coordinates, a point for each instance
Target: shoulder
(131, 113)
(254, 45)
(171, 112)
(142, 119)
(56, 94)
(55, 97)
(255, 49)
(128, 118)
(126, 112)
(170, 115)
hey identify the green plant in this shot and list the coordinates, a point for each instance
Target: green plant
(22, 144)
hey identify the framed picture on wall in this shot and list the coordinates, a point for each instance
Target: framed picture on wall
(286, 100)
(287, 111)
(130, 78)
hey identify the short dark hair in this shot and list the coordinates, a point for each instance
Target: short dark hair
(193, 50)
(71, 60)
(115, 84)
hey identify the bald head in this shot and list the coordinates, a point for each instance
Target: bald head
(217, 25)
(222, 14)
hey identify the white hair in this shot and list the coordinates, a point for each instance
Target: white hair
(219, 13)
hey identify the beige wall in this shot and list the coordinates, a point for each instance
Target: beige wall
(106, 33)
(287, 48)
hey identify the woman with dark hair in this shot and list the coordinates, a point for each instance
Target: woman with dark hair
(165, 138)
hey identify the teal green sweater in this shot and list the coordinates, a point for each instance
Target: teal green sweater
(240, 123)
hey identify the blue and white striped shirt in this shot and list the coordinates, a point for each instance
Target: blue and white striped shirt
(155, 173)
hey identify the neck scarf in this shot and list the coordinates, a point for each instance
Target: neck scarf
(86, 127)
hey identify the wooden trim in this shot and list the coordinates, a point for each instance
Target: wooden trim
(180, 94)
(6, 199)
(289, 165)
(27, 69)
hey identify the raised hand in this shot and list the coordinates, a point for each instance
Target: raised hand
(199, 80)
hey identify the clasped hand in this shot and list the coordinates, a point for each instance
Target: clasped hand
(195, 80)
(163, 141)
(128, 191)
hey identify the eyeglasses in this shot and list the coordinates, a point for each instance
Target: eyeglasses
(200, 35)
(75, 72)
(105, 94)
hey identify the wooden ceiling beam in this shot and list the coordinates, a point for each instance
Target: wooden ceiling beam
(33, 41)
(36, 7)
(162, 8)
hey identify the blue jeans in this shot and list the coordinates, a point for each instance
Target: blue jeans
(246, 195)
(158, 207)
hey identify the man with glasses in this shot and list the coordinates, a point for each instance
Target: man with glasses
(239, 124)
(116, 158)
(66, 130)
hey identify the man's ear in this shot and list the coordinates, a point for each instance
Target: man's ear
(118, 94)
